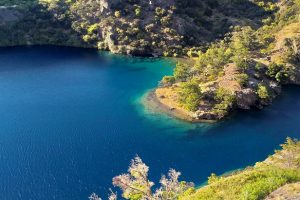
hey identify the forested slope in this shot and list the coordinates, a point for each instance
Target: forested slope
(243, 70)
(139, 27)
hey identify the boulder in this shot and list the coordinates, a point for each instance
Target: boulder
(246, 98)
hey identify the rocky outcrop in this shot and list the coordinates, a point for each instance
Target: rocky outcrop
(246, 98)
(286, 192)
(207, 115)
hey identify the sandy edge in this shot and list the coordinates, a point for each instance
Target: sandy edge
(150, 100)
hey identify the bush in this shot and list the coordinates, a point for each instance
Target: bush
(266, 182)
(243, 79)
(138, 11)
(181, 71)
(263, 92)
(118, 14)
(278, 72)
(213, 178)
(224, 95)
(168, 80)
(190, 95)
(242, 64)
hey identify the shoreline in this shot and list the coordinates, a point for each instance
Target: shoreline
(150, 100)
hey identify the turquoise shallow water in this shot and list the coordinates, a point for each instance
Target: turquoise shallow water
(71, 120)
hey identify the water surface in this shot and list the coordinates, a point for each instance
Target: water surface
(71, 120)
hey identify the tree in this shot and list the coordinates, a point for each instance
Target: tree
(277, 71)
(190, 95)
(117, 14)
(263, 92)
(94, 197)
(243, 41)
(217, 55)
(290, 152)
(168, 81)
(292, 50)
(171, 188)
(138, 11)
(213, 178)
(135, 185)
(181, 71)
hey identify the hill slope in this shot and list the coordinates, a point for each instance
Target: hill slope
(138, 27)
(245, 69)
(259, 181)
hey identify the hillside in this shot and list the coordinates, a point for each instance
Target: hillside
(244, 70)
(136, 27)
(277, 177)
(258, 182)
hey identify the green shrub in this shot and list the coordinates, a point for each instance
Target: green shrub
(138, 11)
(190, 95)
(181, 71)
(243, 79)
(117, 14)
(242, 64)
(263, 183)
(263, 92)
(213, 178)
(168, 80)
(278, 72)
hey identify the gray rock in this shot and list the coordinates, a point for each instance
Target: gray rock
(246, 98)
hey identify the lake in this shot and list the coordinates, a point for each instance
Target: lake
(72, 119)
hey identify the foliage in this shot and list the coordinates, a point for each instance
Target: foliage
(17, 2)
(138, 11)
(168, 81)
(135, 185)
(213, 178)
(181, 72)
(263, 92)
(117, 14)
(243, 79)
(292, 50)
(243, 41)
(217, 55)
(190, 95)
(256, 182)
(289, 157)
(213, 33)
(278, 72)
(252, 183)
(225, 100)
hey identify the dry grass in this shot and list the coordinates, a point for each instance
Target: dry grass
(286, 192)
(288, 31)
(229, 80)
(169, 97)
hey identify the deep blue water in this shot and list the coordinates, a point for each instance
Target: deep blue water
(71, 120)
